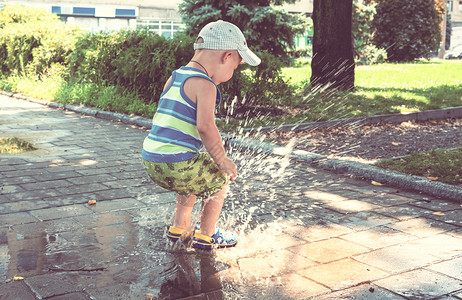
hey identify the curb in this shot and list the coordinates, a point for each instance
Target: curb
(368, 172)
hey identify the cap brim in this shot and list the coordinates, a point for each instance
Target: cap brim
(249, 57)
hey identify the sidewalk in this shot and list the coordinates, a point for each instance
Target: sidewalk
(304, 232)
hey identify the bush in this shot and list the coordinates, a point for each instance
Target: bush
(255, 89)
(370, 54)
(408, 29)
(139, 60)
(32, 39)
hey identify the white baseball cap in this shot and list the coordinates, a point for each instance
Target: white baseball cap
(222, 35)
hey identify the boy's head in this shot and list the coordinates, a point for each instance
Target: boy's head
(221, 35)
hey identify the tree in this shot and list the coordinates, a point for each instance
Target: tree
(270, 31)
(265, 26)
(332, 64)
(408, 29)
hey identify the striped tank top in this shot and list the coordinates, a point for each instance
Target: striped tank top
(174, 136)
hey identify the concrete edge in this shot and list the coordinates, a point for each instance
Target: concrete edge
(369, 172)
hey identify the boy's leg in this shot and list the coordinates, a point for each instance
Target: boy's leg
(211, 208)
(183, 210)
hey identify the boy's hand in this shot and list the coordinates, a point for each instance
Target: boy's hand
(229, 168)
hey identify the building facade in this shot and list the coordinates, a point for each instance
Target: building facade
(160, 16)
(455, 11)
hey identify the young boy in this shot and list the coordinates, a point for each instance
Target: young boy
(184, 121)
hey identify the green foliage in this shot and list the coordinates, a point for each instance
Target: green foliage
(15, 145)
(270, 31)
(265, 26)
(441, 164)
(370, 54)
(258, 86)
(110, 98)
(364, 50)
(32, 39)
(138, 60)
(408, 29)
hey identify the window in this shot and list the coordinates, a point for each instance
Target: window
(166, 29)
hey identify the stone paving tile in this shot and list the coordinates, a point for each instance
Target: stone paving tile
(294, 286)
(331, 196)
(362, 292)
(452, 268)
(110, 194)
(385, 199)
(61, 212)
(342, 274)
(105, 219)
(47, 227)
(378, 237)
(71, 296)
(65, 200)
(421, 284)
(315, 232)
(32, 195)
(15, 290)
(46, 176)
(17, 180)
(83, 188)
(49, 285)
(363, 220)
(403, 212)
(16, 218)
(115, 204)
(438, 205)
(351, 206)
(422, 227)
(453, 217)
(398, 258)
(328, 250)
(22, 206)
(442, 246)
(46, 185)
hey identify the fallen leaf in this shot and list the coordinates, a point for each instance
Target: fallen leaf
(91, 202)
(438, 213)
(18, 278)
(432, 178)
(376, 183)
(395, 143)
(86, 155)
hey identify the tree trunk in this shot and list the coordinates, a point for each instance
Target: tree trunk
(442, 50)
(332, 65)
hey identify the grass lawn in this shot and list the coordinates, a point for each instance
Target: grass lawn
(440, 164)
(380, 89)
(14, 146)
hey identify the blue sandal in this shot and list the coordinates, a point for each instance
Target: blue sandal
(175, 233)
(221, 239)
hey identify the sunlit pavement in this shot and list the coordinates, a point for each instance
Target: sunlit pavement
(303, 232)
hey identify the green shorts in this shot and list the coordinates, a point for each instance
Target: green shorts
(198, 176)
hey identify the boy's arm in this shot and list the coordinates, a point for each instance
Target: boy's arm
(206, 93)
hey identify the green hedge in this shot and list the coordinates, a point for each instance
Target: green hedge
(36, 45)
(32, 39)
(137, 60)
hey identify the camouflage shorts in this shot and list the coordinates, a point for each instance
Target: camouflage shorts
(198, 176)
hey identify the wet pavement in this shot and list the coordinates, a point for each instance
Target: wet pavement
(304, 232)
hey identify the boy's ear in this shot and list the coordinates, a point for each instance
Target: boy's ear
(226, 56)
